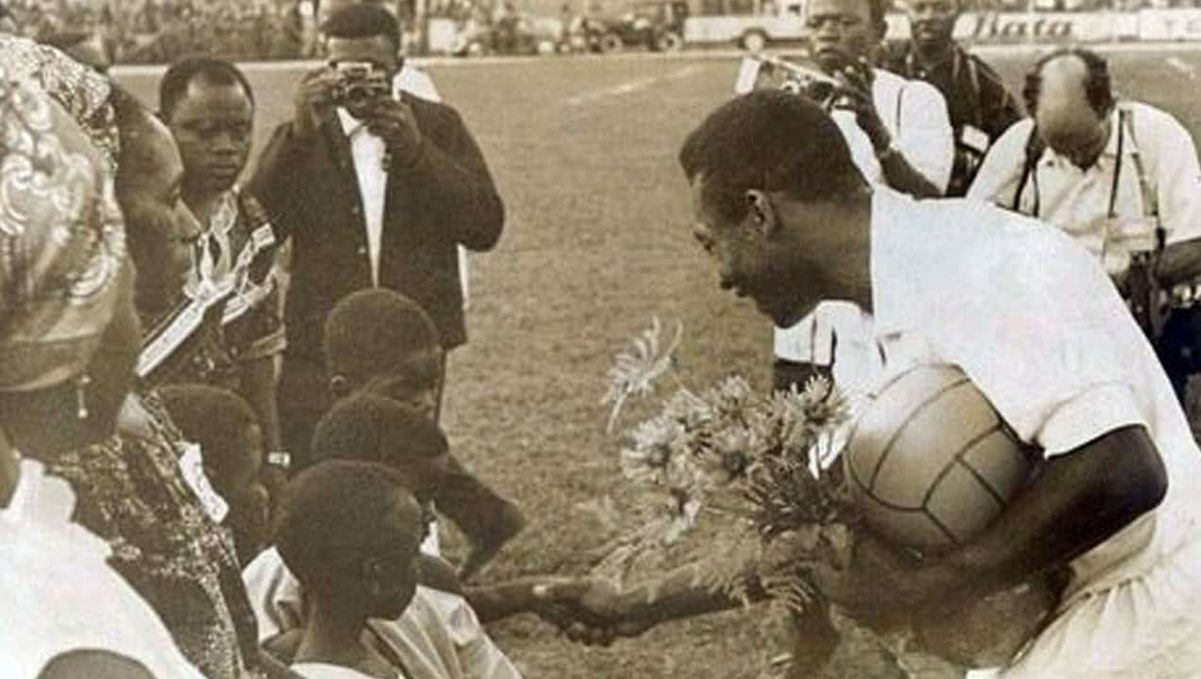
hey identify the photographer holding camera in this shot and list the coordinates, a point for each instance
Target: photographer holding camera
(375, 188)
(899, 135)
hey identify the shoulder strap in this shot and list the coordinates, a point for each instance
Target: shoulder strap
(1149, 193)
(973, 75)
(1033, 152)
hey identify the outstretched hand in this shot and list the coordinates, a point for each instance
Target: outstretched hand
(882, 586)
(588, 610)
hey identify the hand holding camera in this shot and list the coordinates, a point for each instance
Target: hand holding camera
(313, 101)
(856, 79)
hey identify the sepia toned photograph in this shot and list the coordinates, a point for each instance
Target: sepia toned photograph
(600, 339)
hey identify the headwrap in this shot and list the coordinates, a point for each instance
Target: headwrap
(62, 240)
(79, 90)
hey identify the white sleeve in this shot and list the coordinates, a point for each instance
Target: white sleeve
(478, 655)
(1052, 347)
(274, 594)
(999, 174)
(926, 138)
(1178, 180)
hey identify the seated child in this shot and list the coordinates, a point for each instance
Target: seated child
(350, 532)
(380, 342)
(371, 428)
(225, 427)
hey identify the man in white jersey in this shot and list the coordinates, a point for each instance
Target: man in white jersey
(1033, 320)
(899, 135)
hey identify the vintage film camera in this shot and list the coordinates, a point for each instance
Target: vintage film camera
(359, 82)
(760, 71)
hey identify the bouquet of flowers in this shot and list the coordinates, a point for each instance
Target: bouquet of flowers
(728, 451)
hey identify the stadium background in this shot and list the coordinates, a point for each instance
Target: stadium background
(597, 243)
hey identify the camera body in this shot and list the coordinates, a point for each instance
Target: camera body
(762, 71)
(359, 82)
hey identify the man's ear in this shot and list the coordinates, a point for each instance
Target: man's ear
(339, 386)
(761, 213)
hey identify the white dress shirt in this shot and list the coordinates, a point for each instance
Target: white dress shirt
(368, 153)
(1077, 201)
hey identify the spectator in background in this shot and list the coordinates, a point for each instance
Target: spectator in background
(323, 178)
(1120, 177)
(208, 105)
(900, 136)
(980, 106)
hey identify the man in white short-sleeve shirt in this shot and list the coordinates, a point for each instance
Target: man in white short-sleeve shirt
(1099, 169)
(1033, 320)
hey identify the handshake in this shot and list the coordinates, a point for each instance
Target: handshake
(588, 610)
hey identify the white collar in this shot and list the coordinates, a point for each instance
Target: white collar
(350, 124)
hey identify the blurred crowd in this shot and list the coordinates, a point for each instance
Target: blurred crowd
(158, 31)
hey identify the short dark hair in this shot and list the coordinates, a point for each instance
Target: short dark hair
(877, 12)
(372, 428)
(770, 140)
(333, 517)
(370, 331)
(212, 70)
(362, 20)
(215, 418)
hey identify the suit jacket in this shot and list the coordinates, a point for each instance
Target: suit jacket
(435, 199)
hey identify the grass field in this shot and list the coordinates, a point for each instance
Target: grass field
(597, 242)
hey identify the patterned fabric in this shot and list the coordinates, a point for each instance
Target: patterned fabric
(82, 92)
(230, 313)
(131, 493)
(62, 239)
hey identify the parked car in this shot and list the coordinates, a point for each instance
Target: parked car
(521, 35)
(656, 25)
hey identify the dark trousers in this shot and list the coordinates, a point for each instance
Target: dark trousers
(303, 399)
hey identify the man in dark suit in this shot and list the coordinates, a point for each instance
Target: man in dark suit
(375, 188)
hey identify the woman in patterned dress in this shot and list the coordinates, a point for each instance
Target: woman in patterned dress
(62, 271)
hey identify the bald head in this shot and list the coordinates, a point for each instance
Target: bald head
(1071, 119)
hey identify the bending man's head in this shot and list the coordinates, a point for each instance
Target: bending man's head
(1069, 94)
(774, 195)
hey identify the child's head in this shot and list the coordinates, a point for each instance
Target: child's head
(350, 531)
(372, 428)
(231, 445)
(382, 342)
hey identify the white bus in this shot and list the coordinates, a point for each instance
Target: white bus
(750, 24)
